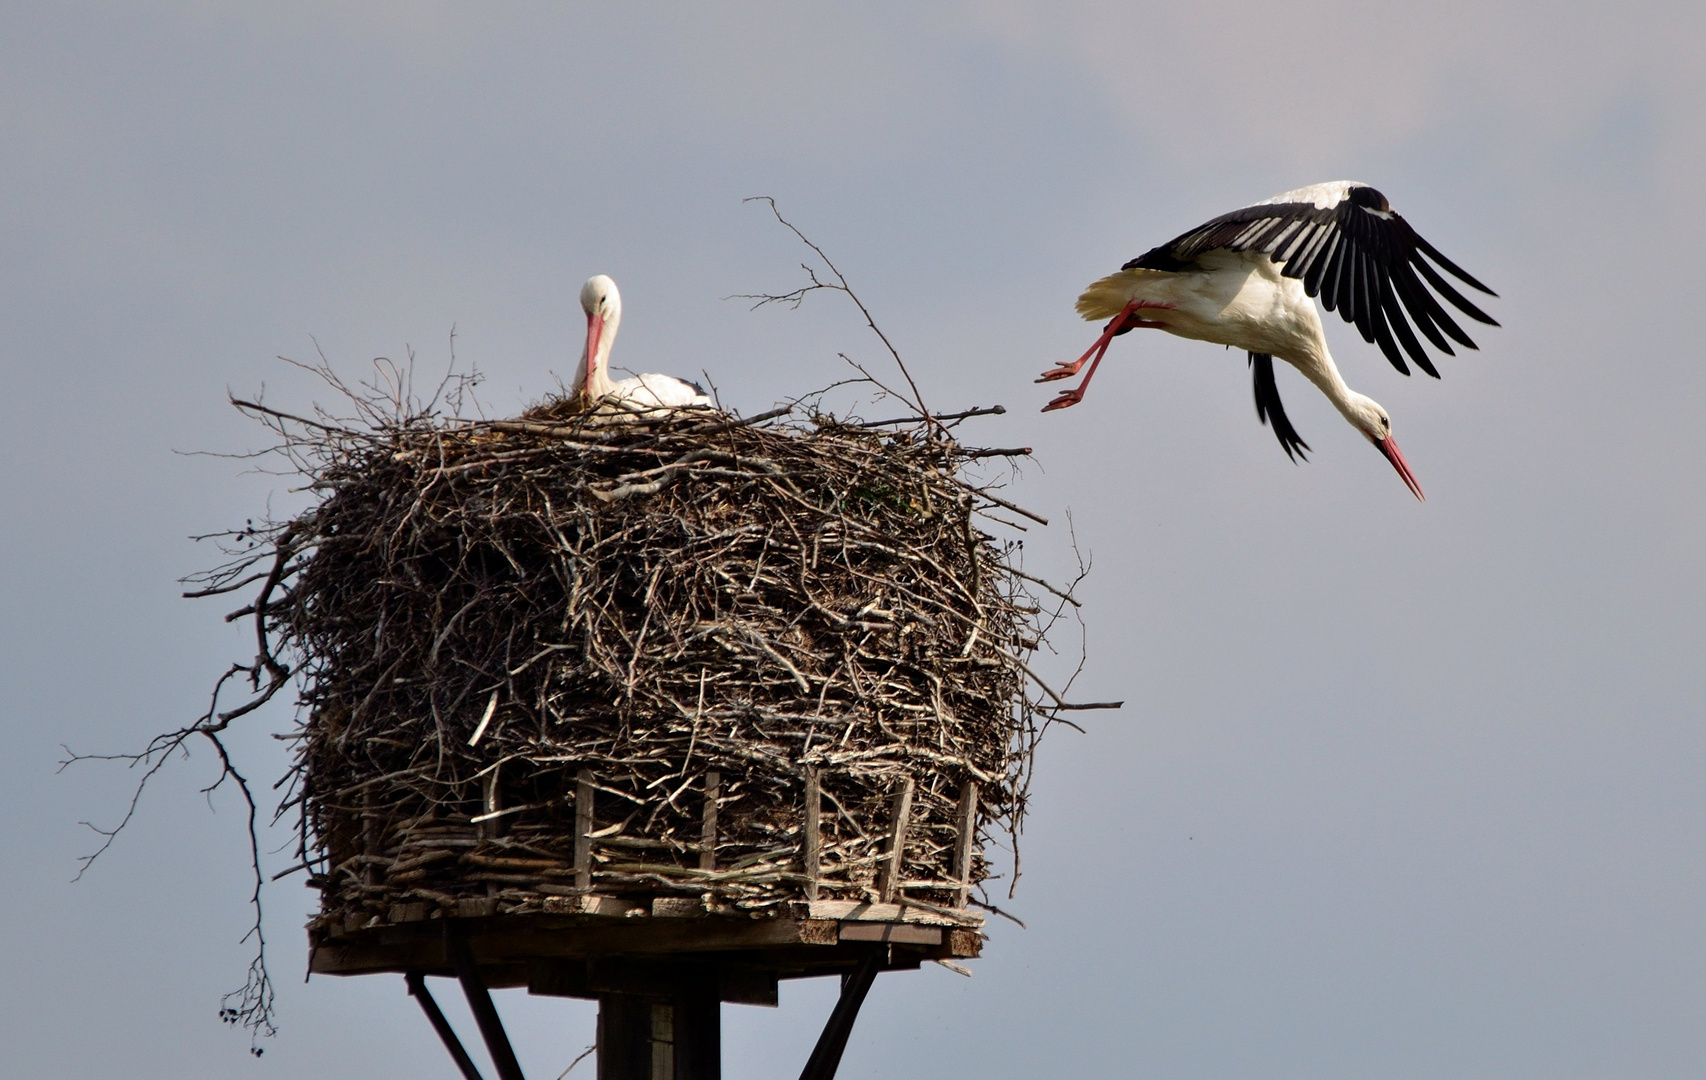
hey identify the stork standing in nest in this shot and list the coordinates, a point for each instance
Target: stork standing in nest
(1246, 280)
(593, 384)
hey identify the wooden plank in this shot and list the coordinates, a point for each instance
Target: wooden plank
(895, 933)
(967, 840)
(583, 827)
(678, 907)
(365, 959)
(736, 983)
(859, 911)
(708, 832)
(741, 985)
(491, 800)
(418, 946)
(813, 855)
(504, 946)
(590, 904)
(407, 913)
(897, 842)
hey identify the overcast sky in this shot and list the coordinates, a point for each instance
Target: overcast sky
(1400, 790)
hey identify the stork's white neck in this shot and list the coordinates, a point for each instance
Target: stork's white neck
(592, 375)
(603, 307)
(1362, 411)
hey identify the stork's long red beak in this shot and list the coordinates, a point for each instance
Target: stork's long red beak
(594, 330)
(1389, 447)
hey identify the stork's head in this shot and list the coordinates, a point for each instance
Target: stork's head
(1376, 427)
(603, 307)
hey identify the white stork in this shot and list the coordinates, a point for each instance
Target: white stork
(593, 385)
(1246, 279)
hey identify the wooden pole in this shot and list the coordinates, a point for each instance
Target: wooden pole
(697, 1026)
(583, 827)
(897, 844)
(813, 857)
(708, 833)
(967, 840)
(491, 801)
(676, 1035)
(480, 1004)
(624, 1037)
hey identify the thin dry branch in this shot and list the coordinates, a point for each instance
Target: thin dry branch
(797, 296)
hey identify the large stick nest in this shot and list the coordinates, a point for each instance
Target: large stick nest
(478, 611)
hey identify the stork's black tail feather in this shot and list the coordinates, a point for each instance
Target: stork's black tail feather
(1269, 410)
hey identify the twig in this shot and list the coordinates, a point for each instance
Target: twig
(994, 410)
(584, 1054)
(840, 285)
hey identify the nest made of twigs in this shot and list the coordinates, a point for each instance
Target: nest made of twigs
(487, 618)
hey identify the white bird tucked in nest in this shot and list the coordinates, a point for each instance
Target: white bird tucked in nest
(593, 384)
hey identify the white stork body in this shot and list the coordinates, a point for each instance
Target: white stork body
(1233, 298)
(652, 391)
(634, 396)
(1247, 280)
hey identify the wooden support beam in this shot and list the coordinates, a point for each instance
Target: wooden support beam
(480, 1004)
(897, 843)
(708, 832)
(697, 1028)
(435, 1016)
(583, 829)
(813, 855)
(826, 1055)
(674, 1033)
(894, 933)
(967, 840)
(624, 1037)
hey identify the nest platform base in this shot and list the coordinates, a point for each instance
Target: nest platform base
(659, 972)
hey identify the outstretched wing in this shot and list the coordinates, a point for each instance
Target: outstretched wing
(1269, 410)
(1348, 247)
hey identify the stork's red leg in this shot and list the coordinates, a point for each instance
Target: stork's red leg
(1066, 371)
(1069, 398)
(1119, 324)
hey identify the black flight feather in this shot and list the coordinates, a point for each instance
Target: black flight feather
(1269, 410)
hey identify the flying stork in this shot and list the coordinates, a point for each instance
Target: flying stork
(593, 385)
(1245, 280)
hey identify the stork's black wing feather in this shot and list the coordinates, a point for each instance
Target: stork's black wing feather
(1358, 256)
(1269, 410)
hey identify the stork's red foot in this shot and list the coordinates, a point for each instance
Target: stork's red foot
(1066, 400)
(1065, 371)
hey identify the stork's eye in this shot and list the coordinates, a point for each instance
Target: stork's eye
(1385, 423)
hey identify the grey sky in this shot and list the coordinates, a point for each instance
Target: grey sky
(1400, 790)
